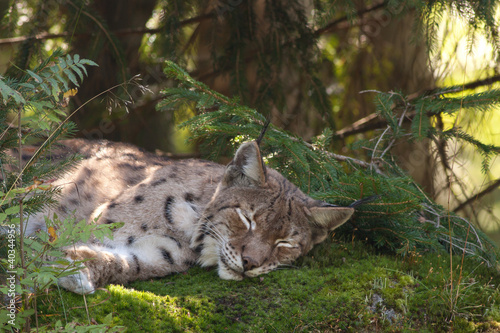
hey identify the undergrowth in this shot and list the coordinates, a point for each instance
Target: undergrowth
(409, 272)
(339, 287)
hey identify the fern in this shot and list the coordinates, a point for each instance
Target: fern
(37, 100)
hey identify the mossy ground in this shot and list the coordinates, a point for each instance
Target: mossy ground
(338, 287)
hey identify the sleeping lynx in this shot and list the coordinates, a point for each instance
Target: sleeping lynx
(245, 219)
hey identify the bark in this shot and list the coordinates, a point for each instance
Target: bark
(119, 60)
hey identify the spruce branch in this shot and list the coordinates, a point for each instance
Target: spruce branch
(338, 157)
(107, 32)
(118, 32)
(373, 121)
(469, 86)
(174, 96)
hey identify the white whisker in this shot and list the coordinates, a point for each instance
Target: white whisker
(212, 230)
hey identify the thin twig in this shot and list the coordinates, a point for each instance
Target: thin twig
(470, 226)
(468, 251)
(478, 195)
(360, 13)
(400, 122)
(378, 142)
(19, 182)
(368, 123)
(431, 210)
(120, 32)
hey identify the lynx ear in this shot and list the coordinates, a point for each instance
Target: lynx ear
(325, 219)
(247, 167)
(330, 217)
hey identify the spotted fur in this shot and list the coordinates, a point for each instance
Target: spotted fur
(245, 219)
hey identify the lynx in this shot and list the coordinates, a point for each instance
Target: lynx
(244, 218)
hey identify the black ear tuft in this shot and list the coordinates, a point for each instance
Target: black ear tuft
(263, 131)
(364, 200)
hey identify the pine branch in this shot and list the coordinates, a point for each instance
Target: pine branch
(338, 157)
(373, 121)
(478, 195)
(472, 85)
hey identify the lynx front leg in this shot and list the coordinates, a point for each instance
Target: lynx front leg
(103, 266)
(120, 266)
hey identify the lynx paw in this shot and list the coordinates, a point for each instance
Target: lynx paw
(78, 283)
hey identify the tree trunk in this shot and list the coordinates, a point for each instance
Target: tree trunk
(391, 60)
(119, 60)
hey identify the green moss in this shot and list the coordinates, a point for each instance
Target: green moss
(339, 287)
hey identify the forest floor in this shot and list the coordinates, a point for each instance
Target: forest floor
(338, 287)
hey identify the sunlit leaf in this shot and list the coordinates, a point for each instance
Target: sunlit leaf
(53, 234)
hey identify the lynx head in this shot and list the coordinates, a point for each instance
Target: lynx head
(257, 220)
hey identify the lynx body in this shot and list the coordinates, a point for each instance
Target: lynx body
(245, 218)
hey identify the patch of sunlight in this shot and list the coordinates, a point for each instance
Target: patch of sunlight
(483, 125)
(180, 140)
(8, 51)
(156, 18)
(180, 315)
(465, 56)
(181, 135)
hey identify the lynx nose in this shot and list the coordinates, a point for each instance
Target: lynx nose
(249, 263)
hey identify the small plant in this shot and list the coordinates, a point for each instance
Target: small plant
(33, 112)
